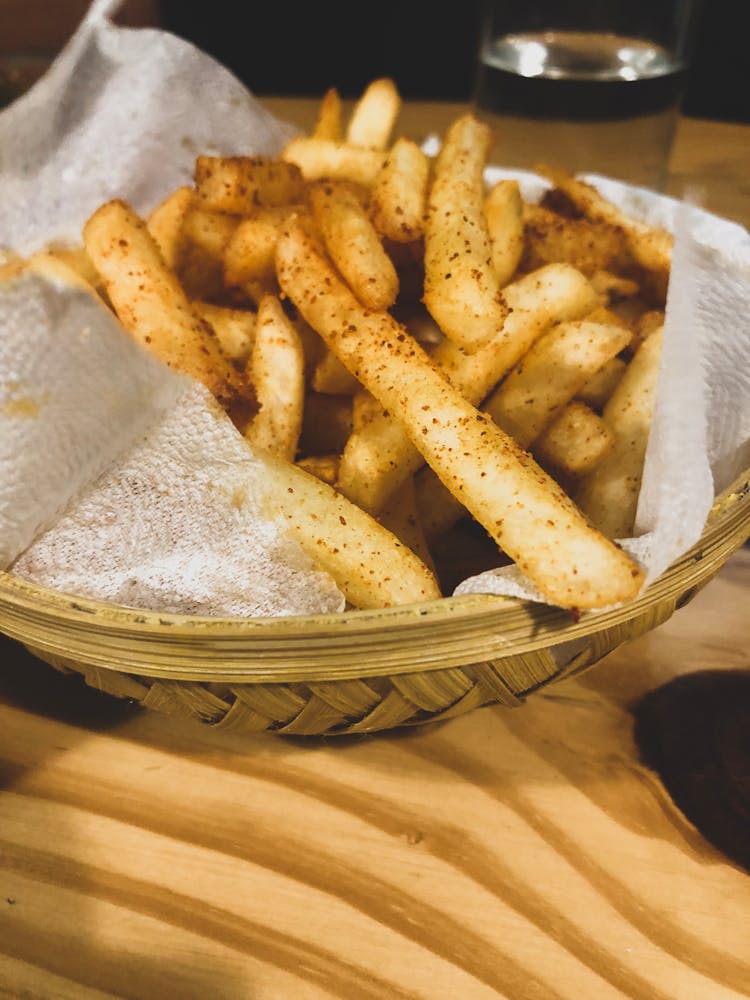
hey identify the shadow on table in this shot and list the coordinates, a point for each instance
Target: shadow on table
(51, 937)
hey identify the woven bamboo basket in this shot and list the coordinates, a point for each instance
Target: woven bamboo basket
(358, 672)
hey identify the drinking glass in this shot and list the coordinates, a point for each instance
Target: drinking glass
(592, 86)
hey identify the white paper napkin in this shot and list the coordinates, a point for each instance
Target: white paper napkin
(121, 480)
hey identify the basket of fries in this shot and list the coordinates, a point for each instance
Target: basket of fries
(444, 390)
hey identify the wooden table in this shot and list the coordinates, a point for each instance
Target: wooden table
(519, 854)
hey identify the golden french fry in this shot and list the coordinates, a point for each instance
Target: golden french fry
(549, 375)
(248, 255)
(354, 245)
(277, 371)
(377, 458)
(527, 514)
(461, 289)
(438, 509)
(152, 305)
(612, 287)
(327, 159)
(323, 467)
(575, 442)
(503, 210)
(332, 378)
(370, 565)
(328, 123)
(399, 192)
(591, 245)
(401, 516)
(364, 408)
(238, 184)
(597, 389)
(165, 225)
(609, 494)
(374, 115)
(209, 231)
(235, 328)
(649, 245)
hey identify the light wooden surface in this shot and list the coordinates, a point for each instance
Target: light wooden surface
(504, 854)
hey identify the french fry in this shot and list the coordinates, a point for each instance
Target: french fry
(649, 245)
(323, 467)
(277, 371)
(248, 254)
(438, 509)
(399, 192)
(461, 289)
(328, 123)
(522, 508)
(332, 378)
(238, 184)
(370, 565)
(327, 159)
(374, 115)
(234, 328)
(549, 375)
(612, 287)
(401, 516)
(597, 389)
(165, 225)
(609, 494)
(354, 245)
(152, 305)
(591, 245)
(503, 210)
(377, 458)
(575, 442)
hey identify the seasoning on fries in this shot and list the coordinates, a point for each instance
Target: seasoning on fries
(407, 347)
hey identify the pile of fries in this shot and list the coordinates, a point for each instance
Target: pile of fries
(415, 353)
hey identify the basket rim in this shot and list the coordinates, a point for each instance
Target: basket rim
(463, 629)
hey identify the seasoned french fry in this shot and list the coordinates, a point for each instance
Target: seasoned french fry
(238, 184)
(399, 192)
(248, 255)
(377, 458)
(401, 516)
(549, 375)
(327, 159)
(323, 467)
(235, 328)
(438, 509)
(503, 210)
(523, 509)
(609, 494)
(597, 389)
(277, 371)
(612, 287)
(165, 225)
(461, 289)
(374, 115)
(328, 123)
(354, 245)
(210, 231)
(152, 305)
(649, 245)
(332, 378)
(575, 442)
(370, 566)
(591, 245)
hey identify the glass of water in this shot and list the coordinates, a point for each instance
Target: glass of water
(592, 86)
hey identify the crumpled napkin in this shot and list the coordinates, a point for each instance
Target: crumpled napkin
(120, 479)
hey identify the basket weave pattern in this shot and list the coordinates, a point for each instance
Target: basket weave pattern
(358, 674)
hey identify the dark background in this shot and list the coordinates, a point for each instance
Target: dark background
(301, 49)
(428, 48)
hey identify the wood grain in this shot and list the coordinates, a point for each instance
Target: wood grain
(515, 854)
(505, 853)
